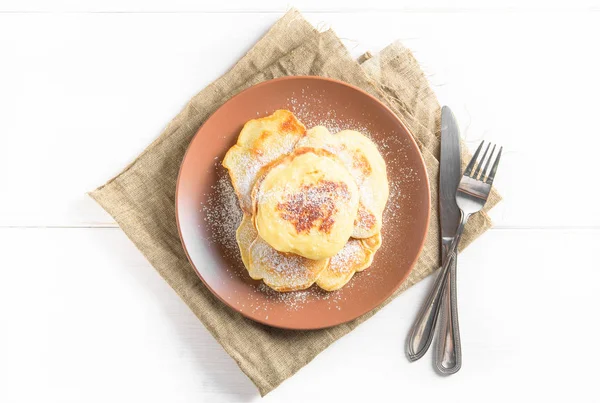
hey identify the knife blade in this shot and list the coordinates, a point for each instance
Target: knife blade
(449, 176)
(448, 358)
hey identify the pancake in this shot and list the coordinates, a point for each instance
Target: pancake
(362, 159)
(306, 204)
(369, 170)
(260, 142)
(245, 235)
(357, 255)
(319, 137)
(282, 271)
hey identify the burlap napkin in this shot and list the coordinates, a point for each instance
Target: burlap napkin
(142, 197)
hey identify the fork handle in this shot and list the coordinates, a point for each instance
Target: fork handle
(448, 359)
(421, 333)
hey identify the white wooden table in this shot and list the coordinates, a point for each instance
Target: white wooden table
(85, 87)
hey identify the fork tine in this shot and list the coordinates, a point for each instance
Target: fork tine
(480, 164)
(487, 164)
(469, 167)
(492, 174)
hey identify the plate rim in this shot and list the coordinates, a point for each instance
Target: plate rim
(384, 296)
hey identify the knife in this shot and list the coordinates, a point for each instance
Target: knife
(422, 332)
(448, 358)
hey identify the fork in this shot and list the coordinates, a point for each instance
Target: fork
(471, 195)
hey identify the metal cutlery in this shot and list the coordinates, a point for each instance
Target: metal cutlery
(471, 195)
(450, 174)
(448, 358)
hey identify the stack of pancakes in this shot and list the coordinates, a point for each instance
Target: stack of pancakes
(312, 202)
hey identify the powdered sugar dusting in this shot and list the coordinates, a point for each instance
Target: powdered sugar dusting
(288, 269)
(292, 300)
(222, 213)
(304, 111)
(393, 209)
(249, 162)
(245, 179)
(297, 300)
(351, 253)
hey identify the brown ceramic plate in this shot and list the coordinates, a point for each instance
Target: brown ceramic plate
(207, 212)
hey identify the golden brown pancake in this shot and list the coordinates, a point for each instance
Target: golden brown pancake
(245, 235)
(280, 271)
(260, 142)
(362, 159)
(306, 204)
(357, 255)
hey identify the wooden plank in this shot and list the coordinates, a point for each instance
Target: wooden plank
(83, 94)
(85, 317)
(278, 6)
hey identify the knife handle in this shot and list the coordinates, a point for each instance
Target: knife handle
(421, 333)
(448, 359)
